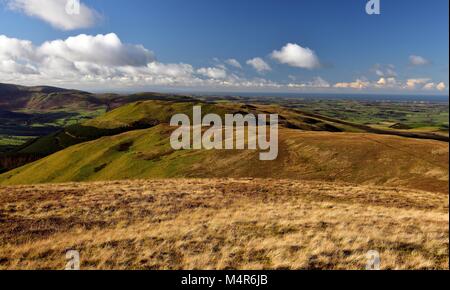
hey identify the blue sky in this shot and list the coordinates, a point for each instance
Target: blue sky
(335, 46)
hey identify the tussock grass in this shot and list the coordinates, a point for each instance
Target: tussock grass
(222, 224)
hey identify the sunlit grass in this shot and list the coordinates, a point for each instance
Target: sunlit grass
(222, 224)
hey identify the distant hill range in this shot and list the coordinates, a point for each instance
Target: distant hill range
(46, 98)
(14, 97)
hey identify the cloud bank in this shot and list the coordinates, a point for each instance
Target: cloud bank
(104, 61)
(424, 84)
(213, 72)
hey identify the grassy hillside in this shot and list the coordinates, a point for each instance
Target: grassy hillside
(222, 224)
(145, 114)
(350, 157)
(126, 118)
(143, 110)
(14, 97)
(27, 113)
(70, 100)
(146, 111)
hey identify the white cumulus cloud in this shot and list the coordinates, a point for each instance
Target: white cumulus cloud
(100, 49)
(357, 84)
(213, 72)
(429, 86)
(296, 56)
(417, 60)
(55, 12)
(259, 64)
(413, 84)
(433, 86)
(233, 62)
(389, 82)
(172, 69)
(317, 82)
(16, 56)
(13, 48)
(441, 86)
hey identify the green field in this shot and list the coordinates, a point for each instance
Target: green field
(16, 128)
(429, 116)
(413, 115)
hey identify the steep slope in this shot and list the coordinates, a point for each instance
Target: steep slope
(349, 157)
(68, 100)
(14, 97)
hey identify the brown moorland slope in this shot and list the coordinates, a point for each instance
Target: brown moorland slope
(221, 224)
(15, 97)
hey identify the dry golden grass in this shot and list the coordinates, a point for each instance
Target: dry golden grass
(222, 224)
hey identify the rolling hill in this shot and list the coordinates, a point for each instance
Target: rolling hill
(348, 157)
(145, 114)
(129, 112)
(132, 141)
